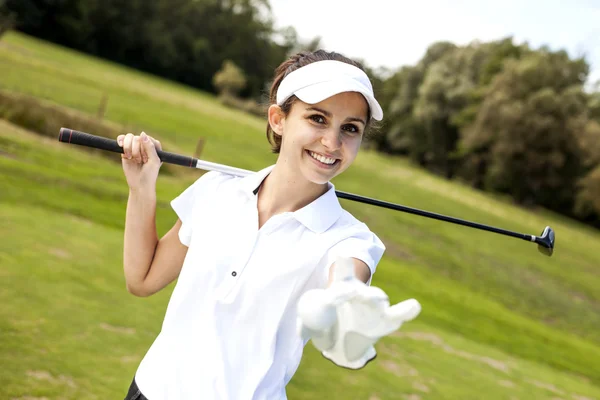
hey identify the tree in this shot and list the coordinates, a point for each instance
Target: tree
(7, 18)
(450, 88)
(526, 133)
(230, 79)
(400, 92)
(587, 203)
(403, 131)
(594, 105)
(433, 101)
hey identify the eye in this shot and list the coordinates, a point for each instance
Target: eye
(351, 128)
(319, 119)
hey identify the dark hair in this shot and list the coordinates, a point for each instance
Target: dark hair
(296, 61)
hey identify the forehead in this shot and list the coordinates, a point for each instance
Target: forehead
(346, 104)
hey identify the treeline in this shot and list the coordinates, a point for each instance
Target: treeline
(183, 40)
(503, 117)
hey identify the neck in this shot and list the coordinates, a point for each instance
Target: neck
(286, 190)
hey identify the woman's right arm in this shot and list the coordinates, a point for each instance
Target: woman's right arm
(149, 264)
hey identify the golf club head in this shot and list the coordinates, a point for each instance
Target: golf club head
(546, 241)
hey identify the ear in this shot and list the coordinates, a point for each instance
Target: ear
(276, 119)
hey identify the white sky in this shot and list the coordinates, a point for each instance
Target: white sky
(395, 33)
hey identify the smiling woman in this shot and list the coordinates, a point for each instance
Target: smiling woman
(264, 262)
(327, 67)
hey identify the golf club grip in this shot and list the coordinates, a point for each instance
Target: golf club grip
(71, 136)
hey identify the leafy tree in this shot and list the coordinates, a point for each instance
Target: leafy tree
(400, 93)
(587, 203)
(230, 79)
(594, 105)
(403, 130)
(450, 94)
(444, 93)
(526, 134)
(7, 18)
(434, 100)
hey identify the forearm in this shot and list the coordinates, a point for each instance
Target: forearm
(140, 239)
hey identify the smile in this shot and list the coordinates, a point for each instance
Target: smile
(322, 159)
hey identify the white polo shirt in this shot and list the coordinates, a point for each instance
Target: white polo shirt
(229, 332)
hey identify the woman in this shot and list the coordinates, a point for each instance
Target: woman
(245, 250)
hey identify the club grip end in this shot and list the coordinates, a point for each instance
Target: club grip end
(65, 135)
(72, 136)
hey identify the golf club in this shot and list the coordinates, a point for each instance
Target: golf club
(545, 241)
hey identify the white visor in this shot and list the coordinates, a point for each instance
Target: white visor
(320, 80)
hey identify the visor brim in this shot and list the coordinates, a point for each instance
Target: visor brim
(321, 91)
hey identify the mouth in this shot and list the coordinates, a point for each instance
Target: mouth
(322, 161)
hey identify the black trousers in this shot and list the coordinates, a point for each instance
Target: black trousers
(134, 392)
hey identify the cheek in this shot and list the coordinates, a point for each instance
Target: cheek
(300, 137)
(352, 146)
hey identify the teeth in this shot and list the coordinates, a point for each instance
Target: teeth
(324, 160)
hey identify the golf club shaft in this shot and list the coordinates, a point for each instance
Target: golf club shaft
(85, 139)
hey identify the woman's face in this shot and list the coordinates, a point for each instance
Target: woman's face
(322, 140)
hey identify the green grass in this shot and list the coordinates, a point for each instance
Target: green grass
(499, 320)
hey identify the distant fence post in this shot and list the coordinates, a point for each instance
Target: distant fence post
(199, 147)
(102, 106)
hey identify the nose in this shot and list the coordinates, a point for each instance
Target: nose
(331, 139)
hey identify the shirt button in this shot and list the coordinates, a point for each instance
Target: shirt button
(233, 273)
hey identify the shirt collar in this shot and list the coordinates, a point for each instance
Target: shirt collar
(251, 183)
(317, 216)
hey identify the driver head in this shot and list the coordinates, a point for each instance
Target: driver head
(546, 242)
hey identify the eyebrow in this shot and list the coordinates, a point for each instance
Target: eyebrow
(328, 115)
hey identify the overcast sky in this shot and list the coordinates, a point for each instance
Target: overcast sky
(395, 33)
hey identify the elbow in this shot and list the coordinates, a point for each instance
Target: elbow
(137, 290)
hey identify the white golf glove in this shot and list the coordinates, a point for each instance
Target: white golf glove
(345, 320)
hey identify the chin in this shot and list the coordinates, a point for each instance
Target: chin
(320, 180)
(320, 177)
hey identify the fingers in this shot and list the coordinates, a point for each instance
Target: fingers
(373, 294)
(406, 310)
(126, 143)
(149, 146)
(315, 311)
(143, 151)
(136, 154)
(139, 149)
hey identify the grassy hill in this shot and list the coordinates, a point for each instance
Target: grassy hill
(499, 320)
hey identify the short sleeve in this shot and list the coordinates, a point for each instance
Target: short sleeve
(361, 244)
(185, 204)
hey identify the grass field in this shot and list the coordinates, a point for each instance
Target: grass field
(499, 320)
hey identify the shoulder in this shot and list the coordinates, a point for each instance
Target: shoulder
(203, 189)
(352, 238)
(349, 230)
(213, 178)
(348, 225)
(212, 184)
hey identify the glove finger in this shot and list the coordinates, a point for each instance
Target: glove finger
(341, 293)
(404, 311)
(373, 295)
